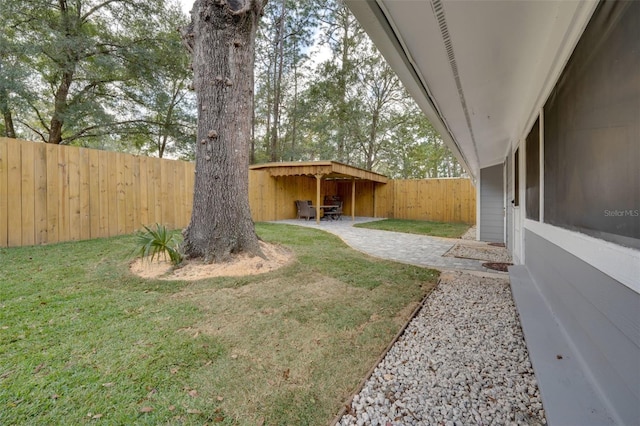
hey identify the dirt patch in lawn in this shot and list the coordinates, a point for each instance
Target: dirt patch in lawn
(240, 264)
(276, 300)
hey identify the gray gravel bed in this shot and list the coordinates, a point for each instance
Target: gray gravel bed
(470, 234)
(461, 361)
(485, 252)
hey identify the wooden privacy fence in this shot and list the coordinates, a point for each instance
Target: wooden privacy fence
(440, 200)
(52, 193)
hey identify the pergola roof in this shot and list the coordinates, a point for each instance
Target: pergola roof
(327, 170)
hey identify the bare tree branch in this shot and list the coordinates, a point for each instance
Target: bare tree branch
(240, 7)
(95, 8)
(82, 133)
(43, 123)
(187, 36)
(77, 96)
(33, 129)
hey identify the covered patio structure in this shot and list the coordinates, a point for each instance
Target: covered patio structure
(274, 187)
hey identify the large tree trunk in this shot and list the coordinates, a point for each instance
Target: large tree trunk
(345, 24)
(60, 107)
(9, 130)
(294, 124)
(222, 39)
(60, 101)
(278, 51)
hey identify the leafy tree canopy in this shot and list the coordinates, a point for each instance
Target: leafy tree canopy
(114, 74)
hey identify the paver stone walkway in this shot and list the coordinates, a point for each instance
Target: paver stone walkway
(414, 249)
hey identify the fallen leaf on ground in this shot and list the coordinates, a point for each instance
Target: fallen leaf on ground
(108, 385)
(172, 407)
(220, 398)
(146, 409)
(96, 416)
(193, 411)
(193, 393)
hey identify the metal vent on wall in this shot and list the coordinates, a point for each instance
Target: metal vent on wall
(438, 11)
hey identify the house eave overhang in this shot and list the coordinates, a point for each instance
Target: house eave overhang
(479, 70)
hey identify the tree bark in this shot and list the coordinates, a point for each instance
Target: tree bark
(277, 83)
(165, 127)
(342, 83)
(294, 124)
(60, 107)
(9, 129)
(222, 40)
(62, 92)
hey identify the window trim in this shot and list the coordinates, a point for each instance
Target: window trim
(530, 184)
(619, 262)
(516, 177)
(541, 166)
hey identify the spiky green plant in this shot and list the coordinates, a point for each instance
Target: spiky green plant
(154, 242)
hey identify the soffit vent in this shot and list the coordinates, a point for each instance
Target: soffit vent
(438, 11)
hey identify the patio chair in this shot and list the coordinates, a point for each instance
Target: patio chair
(305, 210)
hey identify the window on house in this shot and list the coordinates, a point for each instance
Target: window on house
(591, 128)
(533, 172)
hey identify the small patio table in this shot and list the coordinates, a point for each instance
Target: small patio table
(318, 208)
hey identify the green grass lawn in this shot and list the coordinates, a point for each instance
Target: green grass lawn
(423, 227)
(84, 341)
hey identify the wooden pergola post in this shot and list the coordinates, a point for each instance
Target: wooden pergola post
(318, 188)
(353, 199)
(375, 203)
